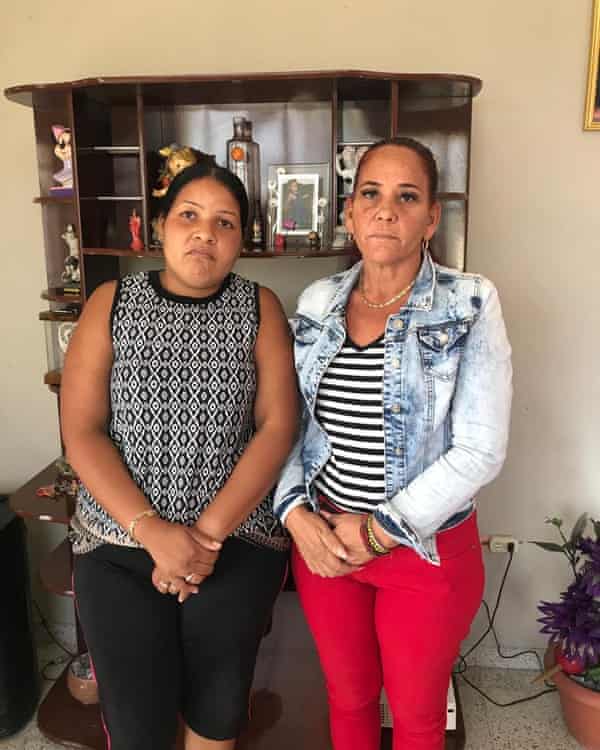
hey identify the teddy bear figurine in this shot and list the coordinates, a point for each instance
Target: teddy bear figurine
(176, 158)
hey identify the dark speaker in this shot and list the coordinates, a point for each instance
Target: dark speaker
(19, 676)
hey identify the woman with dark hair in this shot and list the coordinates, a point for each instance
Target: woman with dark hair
(178, 410)
(405, 375)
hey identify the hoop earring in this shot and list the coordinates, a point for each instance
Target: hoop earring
(425, 245)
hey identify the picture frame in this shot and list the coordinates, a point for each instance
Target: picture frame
(298, 202)
(592, 101)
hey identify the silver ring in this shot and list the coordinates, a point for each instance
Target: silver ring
(188, 578)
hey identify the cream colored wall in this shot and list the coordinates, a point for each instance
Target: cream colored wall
(534, 218)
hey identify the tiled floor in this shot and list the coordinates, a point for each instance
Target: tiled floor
(530, 726)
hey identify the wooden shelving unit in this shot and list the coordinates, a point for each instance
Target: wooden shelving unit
(117, 126)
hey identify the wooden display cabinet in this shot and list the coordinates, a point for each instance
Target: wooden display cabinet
(118, 125)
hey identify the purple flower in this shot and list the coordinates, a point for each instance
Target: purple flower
(574, 622)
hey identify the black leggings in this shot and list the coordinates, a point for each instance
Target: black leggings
(155, 658)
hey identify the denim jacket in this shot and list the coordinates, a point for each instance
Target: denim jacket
(447, 388)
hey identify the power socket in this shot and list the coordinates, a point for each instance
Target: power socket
(502, 543)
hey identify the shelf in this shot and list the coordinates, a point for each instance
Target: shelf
(55, 570)
(53, 295)
(112, 150)
(50, 199)
(112, 198)
(58, 317)
(298, 253)
(27, 504)
(68, 722)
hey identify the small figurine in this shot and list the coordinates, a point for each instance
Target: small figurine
(135, 226)
(313, 240)
(62, 136)
(72, 272)
(177, 158)
(279, 243)
(346, 163)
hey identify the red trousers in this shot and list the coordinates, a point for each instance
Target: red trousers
(399, 623)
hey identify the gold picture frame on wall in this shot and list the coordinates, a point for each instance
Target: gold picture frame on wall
(592, 101)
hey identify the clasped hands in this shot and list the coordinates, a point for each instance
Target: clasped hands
(331, 544)
(183, 556)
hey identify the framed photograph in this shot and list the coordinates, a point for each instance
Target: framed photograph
(592, 102)
(298, 201)
(297, 210)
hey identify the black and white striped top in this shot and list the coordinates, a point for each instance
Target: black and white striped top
(350, 409)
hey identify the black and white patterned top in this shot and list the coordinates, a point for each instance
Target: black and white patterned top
(182, 391)
(349, 406)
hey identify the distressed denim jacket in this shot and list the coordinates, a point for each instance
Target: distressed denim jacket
(447, 388)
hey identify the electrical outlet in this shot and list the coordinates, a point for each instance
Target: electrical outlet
(502, 543)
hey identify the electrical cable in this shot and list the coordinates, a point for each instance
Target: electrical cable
(462, 660)
(50, 633)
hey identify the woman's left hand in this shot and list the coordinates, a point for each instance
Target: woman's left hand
(347, 527)
(175, 586)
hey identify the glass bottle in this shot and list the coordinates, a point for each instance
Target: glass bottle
(237, 152)
(253, 186)
(257, 236)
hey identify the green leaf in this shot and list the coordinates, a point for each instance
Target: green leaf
(593, 673)
(579, 527)
(554, 521)
(549, 546)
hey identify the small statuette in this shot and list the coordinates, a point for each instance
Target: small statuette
(135, 226)
(176, 159)
(71, 276)
(279, 243)
(314, 241)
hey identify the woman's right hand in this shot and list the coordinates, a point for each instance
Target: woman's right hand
(320, 548)
(178, 551)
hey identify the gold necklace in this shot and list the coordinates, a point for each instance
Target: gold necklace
(391, 300)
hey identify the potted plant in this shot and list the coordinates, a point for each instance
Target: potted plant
(573, 624)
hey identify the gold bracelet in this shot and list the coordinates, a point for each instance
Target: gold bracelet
(148, 513)
(377, 548)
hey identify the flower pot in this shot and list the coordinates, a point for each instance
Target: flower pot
(580, 706)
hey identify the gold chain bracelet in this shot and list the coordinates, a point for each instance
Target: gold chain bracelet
(148, 513)
(377, 548)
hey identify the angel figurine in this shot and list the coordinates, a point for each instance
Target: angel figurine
(72, 273)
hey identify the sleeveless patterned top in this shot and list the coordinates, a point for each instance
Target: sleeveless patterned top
(182, 392)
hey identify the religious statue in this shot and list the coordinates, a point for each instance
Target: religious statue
(135, 227)
(72, 272)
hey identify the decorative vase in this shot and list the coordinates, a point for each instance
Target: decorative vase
(81, 681)
(580, 706)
